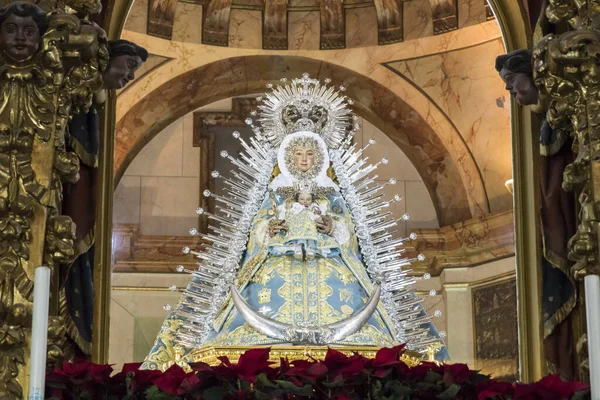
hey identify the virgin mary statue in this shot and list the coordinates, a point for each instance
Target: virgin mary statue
(301, 250)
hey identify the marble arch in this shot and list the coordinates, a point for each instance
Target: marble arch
(451, 176)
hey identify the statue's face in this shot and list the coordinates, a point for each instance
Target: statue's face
(304, 158)
(120, 71)
(19, 37)
(305, 199)
(521, 86)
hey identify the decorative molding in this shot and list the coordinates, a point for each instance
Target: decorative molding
(464, 244)
(275, 28)
(215, 22)
(161, 17)
(390, 26)
(333, 24)
(133, 252)
(444, 15)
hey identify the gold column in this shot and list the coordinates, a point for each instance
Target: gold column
(116, 14)
(514, 25)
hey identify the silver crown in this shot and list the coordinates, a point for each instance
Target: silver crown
(305, 186)
(304, 104)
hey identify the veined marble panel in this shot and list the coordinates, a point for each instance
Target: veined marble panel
(471, 12)
(188, 26)
(245, 29)
(361, 27)
(417, 19)
(303, 30)
(466, 87)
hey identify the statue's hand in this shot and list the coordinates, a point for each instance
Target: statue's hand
(325, 224)
(277, 226)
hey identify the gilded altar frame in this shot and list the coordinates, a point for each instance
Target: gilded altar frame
(516, 33)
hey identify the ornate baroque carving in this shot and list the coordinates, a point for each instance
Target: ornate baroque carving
(472, 242)
(389, 21)
(333, 25)
(566, 71)
(275, 25)
(37, 96)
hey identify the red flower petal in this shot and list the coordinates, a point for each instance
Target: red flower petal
(388, 356)
(171, 380)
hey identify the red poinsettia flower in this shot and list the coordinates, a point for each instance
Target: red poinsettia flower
(200, 367)
(334, 360)
(143, 379)
(549, 387)
(309, 370)
(100, 373)
(251, 364)
(78, 368)
(284, 365)
(355, 365)
(388, 356)
(492, 388)
(171, 379)
(418, 372)
(456, 373)
(191, 381)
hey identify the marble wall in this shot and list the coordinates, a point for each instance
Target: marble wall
(160, 189)
(466, 89)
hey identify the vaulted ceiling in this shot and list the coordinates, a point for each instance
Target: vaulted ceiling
(283, 24)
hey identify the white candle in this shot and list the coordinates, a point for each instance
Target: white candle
(592, 299)
(39, 333)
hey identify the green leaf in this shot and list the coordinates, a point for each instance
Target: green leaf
(338, 382)
(581, 395)
(424, 386)
(449, 393)
(263, 381)
(377, 392)
(154, 393)
(305, 390)
(215, 393)
(432, 377)
(398, 390)
(258, 395)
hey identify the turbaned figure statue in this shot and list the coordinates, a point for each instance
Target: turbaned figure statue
(302, 249)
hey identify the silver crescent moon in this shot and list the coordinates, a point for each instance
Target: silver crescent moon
(325, 334)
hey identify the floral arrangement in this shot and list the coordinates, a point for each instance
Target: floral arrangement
(337, 377)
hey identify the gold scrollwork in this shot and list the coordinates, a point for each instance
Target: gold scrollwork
(37, 97)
